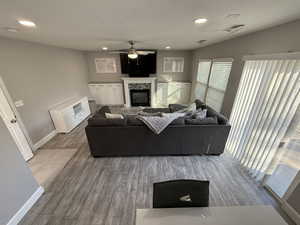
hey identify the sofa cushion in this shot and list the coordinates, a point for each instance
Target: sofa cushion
(104, 122)
(150, 113)
(178, 121)
(133, 121)
(176, 107)
(205, 121)
(211, 113)
(156, 110)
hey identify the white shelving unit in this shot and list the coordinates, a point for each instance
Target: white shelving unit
(69, 114)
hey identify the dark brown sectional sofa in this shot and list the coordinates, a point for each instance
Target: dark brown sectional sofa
(130, 137)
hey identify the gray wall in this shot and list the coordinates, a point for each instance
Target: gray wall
(16, 181)
(278, 39)
(41, 76)
(185, 76)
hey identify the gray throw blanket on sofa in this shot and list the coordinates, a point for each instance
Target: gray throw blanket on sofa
(158, 123)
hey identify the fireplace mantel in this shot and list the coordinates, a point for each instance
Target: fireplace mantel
(139, 80)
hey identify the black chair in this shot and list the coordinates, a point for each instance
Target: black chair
(181, 193)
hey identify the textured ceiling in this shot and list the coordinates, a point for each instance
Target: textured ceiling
(91, 24)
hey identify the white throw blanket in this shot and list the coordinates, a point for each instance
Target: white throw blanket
(158, 123)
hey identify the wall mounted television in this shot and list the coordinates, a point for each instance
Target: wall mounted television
(143, 66)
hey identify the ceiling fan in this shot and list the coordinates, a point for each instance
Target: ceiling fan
(132, 52)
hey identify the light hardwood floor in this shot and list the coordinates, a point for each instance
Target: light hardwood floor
(106, 191)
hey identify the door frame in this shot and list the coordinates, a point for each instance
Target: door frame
(15, 111)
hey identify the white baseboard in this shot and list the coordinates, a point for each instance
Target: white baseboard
(44, 140)
(26, 207)
(291, 212)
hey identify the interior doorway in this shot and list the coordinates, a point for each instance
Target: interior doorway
(11, 119)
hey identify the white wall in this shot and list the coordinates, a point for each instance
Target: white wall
(278, 39)
(16, 181)
(41, 76)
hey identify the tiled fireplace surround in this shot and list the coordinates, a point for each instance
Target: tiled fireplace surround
(141, 83)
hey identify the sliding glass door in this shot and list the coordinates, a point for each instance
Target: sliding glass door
(286, 163)
(265, 104)
(211, 82)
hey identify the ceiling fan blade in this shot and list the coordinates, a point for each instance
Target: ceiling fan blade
(117, 52)
(145, 52)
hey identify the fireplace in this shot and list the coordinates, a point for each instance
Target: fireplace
(139, 91)
(140, 97)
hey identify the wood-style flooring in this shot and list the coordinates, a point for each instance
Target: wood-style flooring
(107, 191)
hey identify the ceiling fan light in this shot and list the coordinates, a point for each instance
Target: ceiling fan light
(132, 55)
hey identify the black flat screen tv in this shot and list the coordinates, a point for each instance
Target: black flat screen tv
(143, 66)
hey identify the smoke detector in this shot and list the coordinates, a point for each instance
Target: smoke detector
(235, 28)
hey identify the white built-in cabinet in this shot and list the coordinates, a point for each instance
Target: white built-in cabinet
(107, 93)
(172, 93)
(166, 93)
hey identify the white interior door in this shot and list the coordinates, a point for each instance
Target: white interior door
(9, 118)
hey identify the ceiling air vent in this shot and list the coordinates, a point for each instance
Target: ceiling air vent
(235, 28)
(201, 41)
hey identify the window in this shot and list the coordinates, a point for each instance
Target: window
(173, 64)
(106, 65)
(212, 79)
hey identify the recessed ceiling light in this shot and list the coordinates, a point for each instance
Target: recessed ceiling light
(200, 20)
(104, 48)
(11, 29)
(168, 47)
(27, 23)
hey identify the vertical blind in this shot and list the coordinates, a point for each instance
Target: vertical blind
(265, 103)
(212, 79)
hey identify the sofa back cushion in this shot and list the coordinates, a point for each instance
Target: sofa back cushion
(156, 110)
(176, 107)
(104, 122)
(101, 112)
(178, 121)
(133, 121)
(205, 121)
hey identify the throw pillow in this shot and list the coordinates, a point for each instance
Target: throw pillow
(200, 104)
(113, 116)
(200, 114)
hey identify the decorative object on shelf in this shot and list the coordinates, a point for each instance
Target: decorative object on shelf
(106, 65)
(173, 64)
